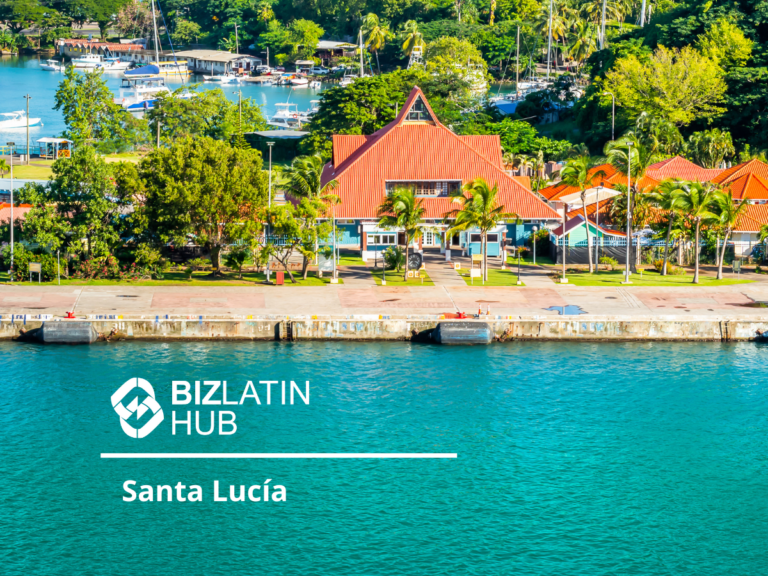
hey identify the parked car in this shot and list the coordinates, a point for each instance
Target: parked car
(338, 68)
(279, 68)
(318, 70)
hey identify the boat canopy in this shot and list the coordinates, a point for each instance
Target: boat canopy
(54, 141)
(149, 70)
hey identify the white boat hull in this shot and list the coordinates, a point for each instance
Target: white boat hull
(19, 124)
(299, 82)
(221, 79)
(50, 68)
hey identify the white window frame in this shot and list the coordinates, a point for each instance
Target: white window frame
(382, 239)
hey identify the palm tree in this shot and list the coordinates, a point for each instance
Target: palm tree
(376, 35)
(304, 180)
(658, 134)
(631, 156)
(580, 172)
(710, 148)
(730, 213)
(479, 209)
(401, 209)
(695, 202)
(583, 43)
(666, 197)
(412, 38)
(4, 167)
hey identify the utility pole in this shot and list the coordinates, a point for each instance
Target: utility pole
(237, 43)
(269, 204)
(27, 98)
(158, 134)
(240, 106)
(361, 54)
(549, 46)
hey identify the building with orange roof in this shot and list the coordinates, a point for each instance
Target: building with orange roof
(747, 181)
(417, 151)
(679, 168)
(746, 235)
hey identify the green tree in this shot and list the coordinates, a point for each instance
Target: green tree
(304, 37)
(20, 14)
(726, 44)
(453, 57)
(666, 197)
(729, 213)
(678, 85)
(44, 224)
(696, 201)
(4, 167)
(580, 172)
(203, 189)
(186, 31)
(376, 34)
(479, 209)
(88, 107)
(208, 113)
(88, 203)
(658, 134)
(402, 210)
(412, 37)
(236, 258)
(709, 148)
(304, 180)
(134, 20)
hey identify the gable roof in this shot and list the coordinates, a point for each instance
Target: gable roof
(734, 173)
(405, 150)
(578, 220)
(754, 217)
(556, 192)
(681, 168)
(749, 187)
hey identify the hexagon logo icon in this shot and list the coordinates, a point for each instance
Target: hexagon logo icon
(137, 408)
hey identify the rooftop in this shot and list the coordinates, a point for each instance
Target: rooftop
(213, 55)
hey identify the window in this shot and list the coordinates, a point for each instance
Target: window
(418, 112)
(427, 189)
(382, 239)
(489, 238)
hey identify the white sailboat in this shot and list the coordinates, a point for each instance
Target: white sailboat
(87, 61)
(53, 66)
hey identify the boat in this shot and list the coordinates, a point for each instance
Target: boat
(53, 66)
(347, 80)
(172, 68)
(87, 61)
(17, 120)
(300, 81)
(264, 70)
(286, 117)
(139, 92)
(112, 63)
(316, 84)
(314, 108)
(227, 78)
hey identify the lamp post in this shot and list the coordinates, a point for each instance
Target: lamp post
(597, 227)
(240, 108)
(10, 271)
(28, 98)
(535, 229)
(269, 204)
(519, 282)
(613, 114)
(629, 210)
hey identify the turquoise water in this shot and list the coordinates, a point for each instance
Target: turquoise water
(22, 75)
(573, 459)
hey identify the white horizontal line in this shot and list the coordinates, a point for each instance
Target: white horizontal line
(274, 455)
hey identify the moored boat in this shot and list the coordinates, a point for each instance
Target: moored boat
(17, 120)
(52, 66)
(87, 61)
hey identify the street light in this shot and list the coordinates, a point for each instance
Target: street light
(28, 98)
(535, 229)
(10, 271)
(597, 227)
(269, 205)
(629, 210)
(240, 106)
(613, 114)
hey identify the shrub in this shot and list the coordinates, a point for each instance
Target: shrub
(236, 257)
(23, 256)
(394, 258)
(105, 269)
(199, 262)
(671, 270)
(608, 261)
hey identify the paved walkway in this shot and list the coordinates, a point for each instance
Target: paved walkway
(440, 271)
(529, 301)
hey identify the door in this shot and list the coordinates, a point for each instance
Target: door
(401, 238)
(429, 238)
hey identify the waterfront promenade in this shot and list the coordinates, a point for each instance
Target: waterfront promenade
(539, 300)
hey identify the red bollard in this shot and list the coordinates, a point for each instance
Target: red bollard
(280, 278)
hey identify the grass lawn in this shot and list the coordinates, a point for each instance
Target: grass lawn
(396, 279)
(540, 260)
(123, 157)
(496, 277)
(351, 259)
(198, 279)
(31, 172)
(649, 278)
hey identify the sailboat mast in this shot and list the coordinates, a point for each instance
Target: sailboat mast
(549, 46)
(517, 65)
(361, 54)
(154, 28)
(602, 26)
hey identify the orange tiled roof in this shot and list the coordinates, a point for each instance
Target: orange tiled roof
(736, 172)
(97, 45)
(524, 181)
(421, 151)
(19, 211)
(754, 218)
(749, 187)
(612, 176)
(602, 208)
(680, 168)
(578, 220)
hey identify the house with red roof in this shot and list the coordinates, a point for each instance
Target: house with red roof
(417, 151)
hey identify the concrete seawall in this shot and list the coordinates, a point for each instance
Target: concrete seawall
(371, 328)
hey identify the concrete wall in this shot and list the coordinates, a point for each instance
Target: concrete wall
(370, 327)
